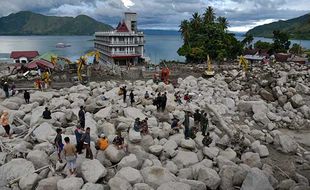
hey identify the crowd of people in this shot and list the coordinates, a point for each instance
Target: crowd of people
(69, 151)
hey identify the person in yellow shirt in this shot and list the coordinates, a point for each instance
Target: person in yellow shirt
(102, 142)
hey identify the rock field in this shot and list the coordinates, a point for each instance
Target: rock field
(243, 112)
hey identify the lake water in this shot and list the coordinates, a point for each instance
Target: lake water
(159, 45)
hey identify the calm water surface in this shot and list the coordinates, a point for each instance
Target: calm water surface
(159, 45)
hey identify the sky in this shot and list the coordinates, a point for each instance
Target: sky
(166, 14)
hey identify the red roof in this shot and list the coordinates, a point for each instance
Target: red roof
(122, 27)
(40, 63)
(27, 54)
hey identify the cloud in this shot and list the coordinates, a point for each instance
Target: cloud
(167, 14)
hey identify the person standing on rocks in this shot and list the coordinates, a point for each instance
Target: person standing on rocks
(204, 123)
(158, 101)
(164, 102)
(27, 97)
(6, 89)
(197, 117)
(124, 93)
(70, 155)
(132, 97)
(86, 141)
(47, 114)
(82, 117)
(58, 143)
(175, 126)
(4, 120)
(78, 135)
(186, 125)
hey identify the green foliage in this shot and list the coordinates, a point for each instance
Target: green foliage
(207, 35)
(281, 41)
(247, 41)
(28, 23)
(298, 28)
(296, 49)
(263, 45)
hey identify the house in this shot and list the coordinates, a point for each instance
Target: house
(23, 56)
(122, 46)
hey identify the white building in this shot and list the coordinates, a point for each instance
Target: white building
(122, 46)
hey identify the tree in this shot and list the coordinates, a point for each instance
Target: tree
(208, 35)
(209, 15)
(296, 49)
(263, 45)
(281, 41)
(247, 41)
(185, 31)
(196, 21)
(223, 22)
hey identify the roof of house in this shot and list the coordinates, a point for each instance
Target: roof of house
(282, 57)
(27, 54)
(47, 56)
(39, 63)
(122, 27)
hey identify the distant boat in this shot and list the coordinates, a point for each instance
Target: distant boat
(62, 45)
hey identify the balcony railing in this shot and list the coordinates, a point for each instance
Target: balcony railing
(123, 53)
(121, 42)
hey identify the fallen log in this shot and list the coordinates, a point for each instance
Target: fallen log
(35, 171)
(226, 129)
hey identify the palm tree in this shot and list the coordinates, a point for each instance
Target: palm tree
(223, 22)
(196, 20)
(185, 30)
(209, 15)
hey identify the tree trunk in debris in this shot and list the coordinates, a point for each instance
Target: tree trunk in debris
(222, 123)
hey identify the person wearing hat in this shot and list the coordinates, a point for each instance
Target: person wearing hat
(4, 121)
(102, 142)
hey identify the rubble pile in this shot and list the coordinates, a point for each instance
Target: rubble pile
(244, 118)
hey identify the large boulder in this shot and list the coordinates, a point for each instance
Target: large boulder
(209, 177)
(188, 144)
(184, 159)
(14, 169)
(49, 183)
(92, 170)
(104, 113)
(256, 180)
(170, 148)
(251, 159)
(36, 115)
(130, 174)
(155, 176)
(133, 113)
(174, 186)
(156, 149)
(28, 182)
(142, 186)
(92, 186)
(113, 154)
(129, 161)
(195, 185)
(286, 143)
(211, 152)
(71, 183)
(92, 124)
(44, 132)
(227, 174)
(134, 136)
(38, 158)
(297, 101)
(260, 113)
(117, 183)
(266, 95)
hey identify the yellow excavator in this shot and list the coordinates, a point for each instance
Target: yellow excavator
(209, 72)
(244, 63)
(96, 55)
(82, 61)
